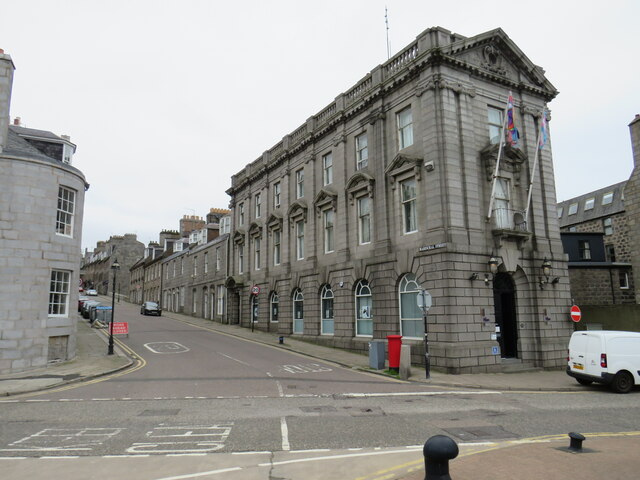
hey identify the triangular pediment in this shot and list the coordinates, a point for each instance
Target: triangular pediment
(402, 163)
(297, 208)
(494, 54)
(325, 195)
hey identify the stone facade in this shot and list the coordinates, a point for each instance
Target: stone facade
(632, 200)
(42, 202)
(387, 191)
(96, 268)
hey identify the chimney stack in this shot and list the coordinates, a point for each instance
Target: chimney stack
(634, 128)
(6, 83)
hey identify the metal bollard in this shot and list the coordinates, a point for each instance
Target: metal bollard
(281, 339)
(437, 451)
(575, 444)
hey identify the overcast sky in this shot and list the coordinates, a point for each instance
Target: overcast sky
(167, 99)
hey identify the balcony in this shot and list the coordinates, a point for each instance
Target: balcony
(509, 224)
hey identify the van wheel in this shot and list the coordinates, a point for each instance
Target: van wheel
(622, 382)
(584, 381)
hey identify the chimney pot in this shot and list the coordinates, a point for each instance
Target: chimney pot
(17, 121)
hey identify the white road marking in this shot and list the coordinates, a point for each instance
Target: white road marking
(235, 359)
(417, 394)
(333, 457)
(166, 347)
(201, 474)
(280, 390)
(285, 434)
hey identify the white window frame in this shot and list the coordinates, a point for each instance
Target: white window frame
(241, 258)
(589, 203)
(220, 299)
(409, 206)
(59, 292)
(276, 194)
(623, 278)
(327, 325)
(495, 124)
(405, 128)
(258, 203)
(328, 222)
(241, 213)
(573, 209)
(298, 302)
(327, 169)
(256, 253)
(217, 259)
(607, 226)
(409, 287)
(362, 151)
(300, 240)
(274, 301)
(65, 215)
(277, 240)
(607, 198)
(364, 313)
(300, 183)
(194, 301)
(206, 262)
(195, 265)
(364, 220)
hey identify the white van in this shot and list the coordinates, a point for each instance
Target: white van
(605, 356)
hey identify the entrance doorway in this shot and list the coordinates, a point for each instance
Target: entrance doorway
(504, 300)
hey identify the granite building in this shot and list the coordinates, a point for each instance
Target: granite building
(402, 184)
(41, 209)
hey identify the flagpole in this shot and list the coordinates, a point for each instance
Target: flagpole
(533, 175)
(495, 172)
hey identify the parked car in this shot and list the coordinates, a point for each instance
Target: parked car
(150, 308)
(81, 300)
(605, 356)
(92, 292)
(86, 308)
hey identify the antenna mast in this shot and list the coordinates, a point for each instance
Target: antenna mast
(386, 21)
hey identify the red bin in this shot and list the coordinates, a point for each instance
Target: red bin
(395, 342)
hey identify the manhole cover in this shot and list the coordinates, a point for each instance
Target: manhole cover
(159, 412)
(494, 432)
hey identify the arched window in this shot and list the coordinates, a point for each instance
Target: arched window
(274, 303)
(364, 314)
(298, 311)
(326, 310)
(411, 321)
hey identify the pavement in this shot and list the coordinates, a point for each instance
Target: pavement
(610, 455)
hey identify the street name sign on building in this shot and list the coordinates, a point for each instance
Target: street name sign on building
(576, 314)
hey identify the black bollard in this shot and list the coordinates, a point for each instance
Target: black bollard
(280, 339)
(575, 444)
(437, 451)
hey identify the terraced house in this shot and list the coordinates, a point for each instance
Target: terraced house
(403, 183)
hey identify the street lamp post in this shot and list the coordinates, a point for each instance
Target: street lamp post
(114, 266)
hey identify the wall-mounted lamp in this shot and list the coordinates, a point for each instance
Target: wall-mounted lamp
(493, 265)
(486, 279)
(546, 271)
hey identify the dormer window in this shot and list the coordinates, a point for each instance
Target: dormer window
(67, 154)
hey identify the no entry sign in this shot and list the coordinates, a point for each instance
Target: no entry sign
(576, 314)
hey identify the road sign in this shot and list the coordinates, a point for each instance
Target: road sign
(255, 290)
(120, 328)
(576, 314)
(424, 300)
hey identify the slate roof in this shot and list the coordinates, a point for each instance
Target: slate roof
(598, 210)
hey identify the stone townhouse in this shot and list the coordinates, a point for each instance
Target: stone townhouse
(42, 201)
(395, 188)
(194, 278)
(595, 235)
(96, 269)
